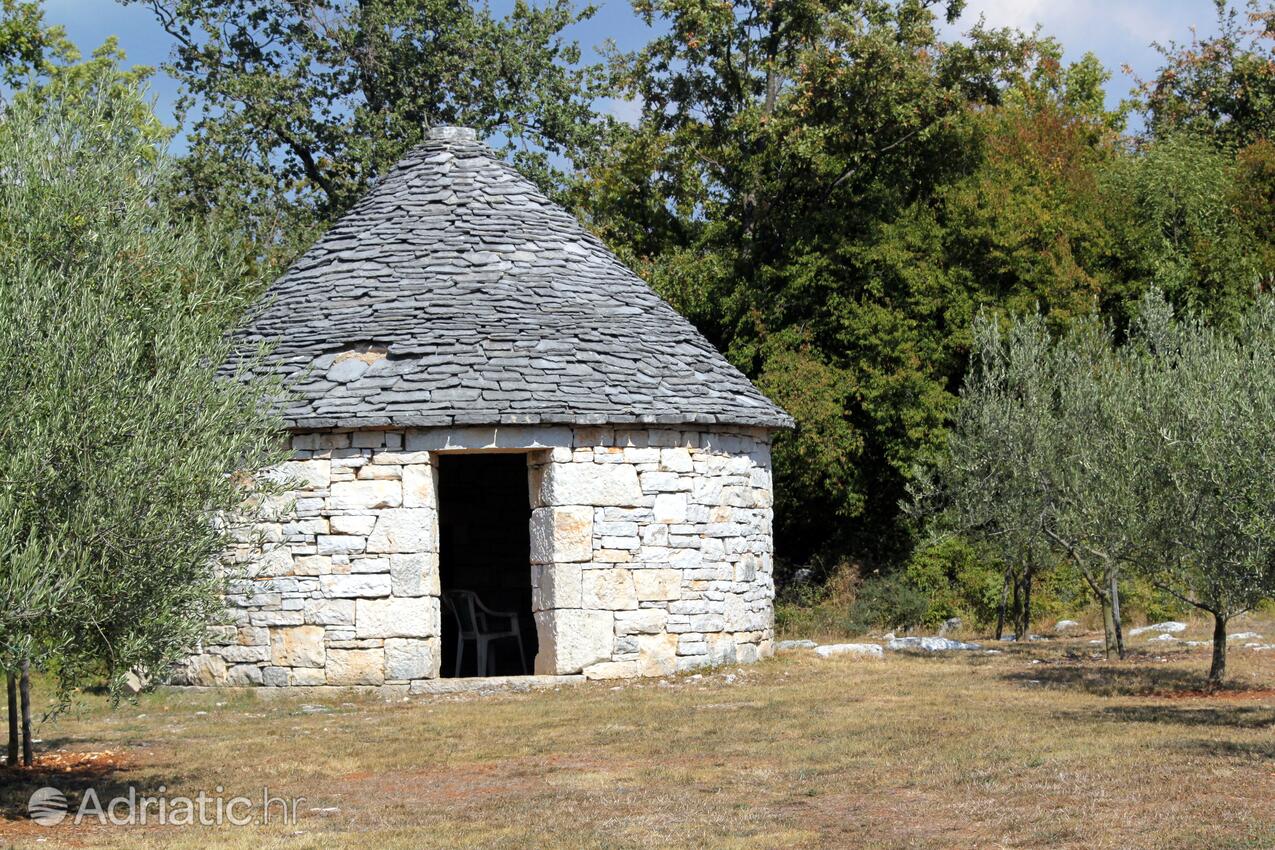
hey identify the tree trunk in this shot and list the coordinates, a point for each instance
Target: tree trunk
(1217, 671)
(1026, 629)
(24, 690)
(1108, 627)
(1114, 589)
(12, 755)
(1018, 608)
(1000, 616)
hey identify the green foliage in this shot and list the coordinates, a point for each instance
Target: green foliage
(1208, 419)
(956, 580)
(819, 609)
(39, 61)
(890, 602)
(27, 45)
(1153, 456)
(117, 438)
(302, 106)
(780, 191)
(1174, 212)
(1222, 87)
(832, 193)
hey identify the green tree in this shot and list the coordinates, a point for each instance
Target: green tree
(27, 44)
(1033, 468)
(37, 60)
(1207, 424)
(787, 188)
(298, 107)
(1222, 87)
(118, 439)
(1185, 216)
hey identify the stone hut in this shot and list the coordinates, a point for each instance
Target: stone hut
(489, 400)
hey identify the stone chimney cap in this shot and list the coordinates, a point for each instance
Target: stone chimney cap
(449, 133)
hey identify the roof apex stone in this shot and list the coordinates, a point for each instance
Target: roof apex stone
(452, 133)
(455, 292)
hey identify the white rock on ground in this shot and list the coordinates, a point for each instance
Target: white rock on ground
(795, 644)
(1066, 625)
(1165, 628)
(1244, 636)
(829, 650)
(930, 644)
(1164, 638)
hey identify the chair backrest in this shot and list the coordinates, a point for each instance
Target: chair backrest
(463, 608)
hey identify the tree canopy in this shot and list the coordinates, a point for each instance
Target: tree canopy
(294, 109)
(118, 439)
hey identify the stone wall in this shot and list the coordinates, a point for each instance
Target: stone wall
(650, 553)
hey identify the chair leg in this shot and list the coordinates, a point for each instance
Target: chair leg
(460, 655)
(522, 658)
(482, 657)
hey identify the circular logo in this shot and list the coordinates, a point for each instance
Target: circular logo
(47, 806)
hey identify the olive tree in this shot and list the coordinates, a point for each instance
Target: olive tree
(988, 488)
(1208, 480)
(1033, 464)
(119, 441)
(1092, 516)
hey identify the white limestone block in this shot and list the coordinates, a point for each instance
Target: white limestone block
(670, 508)
(360, 524)
(556, 586)
(297, 646)
(304, 474)
(329, 612)
(608, 589)
(675, 460)
(356, 667)
(590, 484)
(572, 639)
(355, 586)
(365, 495)
(657, 654)
(643, 621)
(419, 486)
(561, 534)
(654, 585)
(403, 618)
(414, 575)
(408, 658)
(404, 530)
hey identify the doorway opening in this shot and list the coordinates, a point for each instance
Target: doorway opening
(484, 565)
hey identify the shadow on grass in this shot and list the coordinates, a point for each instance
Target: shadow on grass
(1241, 751)
(73, 774)
(1110, 680)
(1213, 716)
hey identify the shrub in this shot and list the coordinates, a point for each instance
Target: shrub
(889, 602)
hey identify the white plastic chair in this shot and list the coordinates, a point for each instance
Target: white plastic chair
(477, 623)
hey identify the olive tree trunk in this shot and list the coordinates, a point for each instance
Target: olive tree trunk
(1116, 626)
(12, 753)
(1217, 670)
(24, 691)
(1000, 614)
(1110, 646)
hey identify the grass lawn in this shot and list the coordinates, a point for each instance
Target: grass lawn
(1041, 746)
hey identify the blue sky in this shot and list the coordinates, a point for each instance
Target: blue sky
(1120, 32)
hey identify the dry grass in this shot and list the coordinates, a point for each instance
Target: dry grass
(1042, 746)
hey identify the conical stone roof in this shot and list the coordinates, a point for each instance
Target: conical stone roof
(456, 293)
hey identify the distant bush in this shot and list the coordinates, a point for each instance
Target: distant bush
(948, 579)
(956, 582)
(890, 602)
(818, 609)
